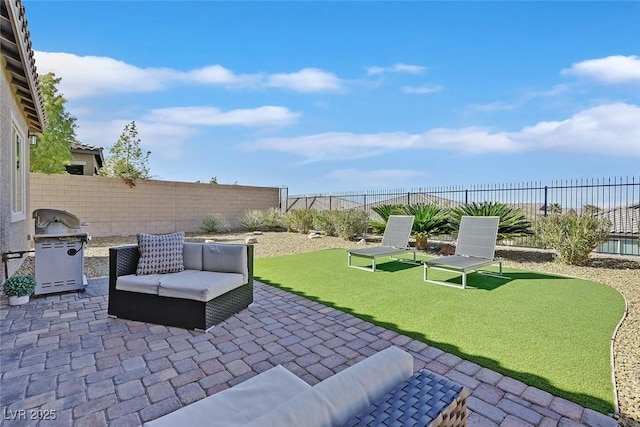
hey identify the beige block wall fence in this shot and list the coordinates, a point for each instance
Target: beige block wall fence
(113, 209)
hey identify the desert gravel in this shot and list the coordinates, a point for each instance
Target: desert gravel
(621, 273)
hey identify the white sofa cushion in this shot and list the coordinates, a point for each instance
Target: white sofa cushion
(225, 258)
(192, 255)
(198, 285)
(338, 398)
(160, 253)
(145, 284)
(238, 405)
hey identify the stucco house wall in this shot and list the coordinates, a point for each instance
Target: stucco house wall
(21, 110)
(12, 233)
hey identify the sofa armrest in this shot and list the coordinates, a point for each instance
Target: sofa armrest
(426, 399)
(123, 260)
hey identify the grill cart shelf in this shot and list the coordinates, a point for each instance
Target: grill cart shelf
(59, 251)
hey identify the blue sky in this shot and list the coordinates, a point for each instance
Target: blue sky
(337, 96)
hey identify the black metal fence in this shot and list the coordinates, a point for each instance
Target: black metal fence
(617, 199)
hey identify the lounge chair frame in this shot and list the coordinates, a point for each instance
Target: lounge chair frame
(395, 240)
(475, 249)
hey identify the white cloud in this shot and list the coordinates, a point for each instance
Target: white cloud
(607, 129)
(85, 76)
(219, 75)
(336, 145)
(343, 145)
(522, 100)
(422, 90)
(397, 68)
(496, 106)
(211, 116)
(306, 80)
(616, 69)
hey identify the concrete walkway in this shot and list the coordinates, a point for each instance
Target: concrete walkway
(62, 357)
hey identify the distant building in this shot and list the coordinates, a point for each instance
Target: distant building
(625, 230)
(86, 159)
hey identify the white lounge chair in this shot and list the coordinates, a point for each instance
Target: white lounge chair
(475, 249)
(395, 240)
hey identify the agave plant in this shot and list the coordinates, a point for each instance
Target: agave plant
(384, 211)
(213, 223)
(429, 219)
(513, 222)
(252, 220)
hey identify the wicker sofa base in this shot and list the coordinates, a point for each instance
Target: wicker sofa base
(169, 311)
(178, 312)
(425, 400)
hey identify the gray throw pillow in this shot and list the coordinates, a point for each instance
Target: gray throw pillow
(160, 253)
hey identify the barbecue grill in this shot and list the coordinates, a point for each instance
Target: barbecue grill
(59, 251)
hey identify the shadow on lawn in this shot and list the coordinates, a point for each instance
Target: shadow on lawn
(485, 282)
(534, 380)
(475, 280)
(391, 267)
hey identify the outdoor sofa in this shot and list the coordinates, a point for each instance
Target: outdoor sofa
(176, 283)
(377, 391)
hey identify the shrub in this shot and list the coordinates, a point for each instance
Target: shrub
(573, 237)
(213, 223)
(300, 220)
(19, 286)
(352, 223)
(327, 221)
(429, 219)
(384, 211)
(272, 219)
(252, 220)
(513, 222)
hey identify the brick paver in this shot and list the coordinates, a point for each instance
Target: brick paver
(64, 354)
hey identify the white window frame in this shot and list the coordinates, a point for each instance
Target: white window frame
(18, 174)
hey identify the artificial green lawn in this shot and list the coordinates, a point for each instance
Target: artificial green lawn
(548, 331)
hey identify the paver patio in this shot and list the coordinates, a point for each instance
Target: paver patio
(63, 357)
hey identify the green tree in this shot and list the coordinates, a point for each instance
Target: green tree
(126, 159)
(53, 150)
